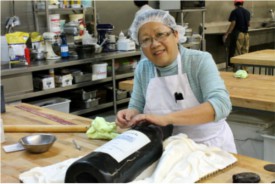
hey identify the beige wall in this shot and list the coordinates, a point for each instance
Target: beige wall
(121, 14)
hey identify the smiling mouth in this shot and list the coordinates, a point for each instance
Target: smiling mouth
(159, 52)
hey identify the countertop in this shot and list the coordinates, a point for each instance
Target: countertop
(12, 164)
(256, 58)
(254, 92)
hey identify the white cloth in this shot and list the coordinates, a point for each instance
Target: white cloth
(50, 174)
(184, 161)
(160, 99)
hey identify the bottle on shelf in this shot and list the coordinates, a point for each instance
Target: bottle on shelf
(27, 54)
(123, 158)
(64, 48)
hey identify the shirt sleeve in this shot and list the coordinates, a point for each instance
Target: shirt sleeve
(213, 88)
(137, 100)
(232, 17)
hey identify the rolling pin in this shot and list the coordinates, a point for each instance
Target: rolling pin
(46, 128)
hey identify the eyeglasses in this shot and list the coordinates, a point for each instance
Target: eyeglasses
(160, 37)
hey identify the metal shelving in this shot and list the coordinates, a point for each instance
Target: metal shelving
(8, 73)
(202, 10)
(46, 11)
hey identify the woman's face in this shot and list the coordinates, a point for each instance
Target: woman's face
(162, 52)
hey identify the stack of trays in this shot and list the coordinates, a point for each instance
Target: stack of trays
(84, 99)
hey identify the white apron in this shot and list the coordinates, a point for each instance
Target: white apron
(160, 99)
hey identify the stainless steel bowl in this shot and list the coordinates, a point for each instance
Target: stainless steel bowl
(38, 143)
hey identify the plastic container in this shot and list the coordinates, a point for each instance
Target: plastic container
(58, 104)
(86, 104)
(247, 127)
(82, 78)
(269, 145)
(54, 20)
(82, 94)
(99, 71)
(85, 51)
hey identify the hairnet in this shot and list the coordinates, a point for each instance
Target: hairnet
(154, 15)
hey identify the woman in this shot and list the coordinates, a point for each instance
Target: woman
(175, 85)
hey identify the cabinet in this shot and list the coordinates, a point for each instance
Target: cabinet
(42, 10)
(183, 12)
(12, 76)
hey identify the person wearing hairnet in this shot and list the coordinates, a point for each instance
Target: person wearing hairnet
(238, 30)
(176, 85)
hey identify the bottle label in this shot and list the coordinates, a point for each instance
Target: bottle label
(64, 49)
(124, 145)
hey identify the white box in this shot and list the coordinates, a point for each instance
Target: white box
(58, 104)
(126, 45)
(63, 80)
(99, 71)
(44, 83)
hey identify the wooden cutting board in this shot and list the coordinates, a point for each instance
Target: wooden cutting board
(33, 117)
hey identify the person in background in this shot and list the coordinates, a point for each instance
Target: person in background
(142, 5)
(238, 30)
(176, 85)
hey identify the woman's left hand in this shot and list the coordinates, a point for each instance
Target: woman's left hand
(160, 120)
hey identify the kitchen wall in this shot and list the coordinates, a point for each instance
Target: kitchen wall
(121, 14)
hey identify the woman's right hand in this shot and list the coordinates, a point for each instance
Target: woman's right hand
(123, 117)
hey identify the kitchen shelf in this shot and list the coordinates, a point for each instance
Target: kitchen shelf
(100, 107)
(46, 11)
(62, 11)
(54, 90)
(14, 74)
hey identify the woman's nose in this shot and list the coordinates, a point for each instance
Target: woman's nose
(154, 42)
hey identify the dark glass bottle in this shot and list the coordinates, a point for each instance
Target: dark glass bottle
(110, 163)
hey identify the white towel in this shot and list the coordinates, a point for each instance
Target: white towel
(50, 174)
(184, 161)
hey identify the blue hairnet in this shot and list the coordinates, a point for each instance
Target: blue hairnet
(155, 15)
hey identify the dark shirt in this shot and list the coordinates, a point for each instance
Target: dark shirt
(242, 18)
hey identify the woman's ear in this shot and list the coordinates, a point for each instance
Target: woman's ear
(176, 34)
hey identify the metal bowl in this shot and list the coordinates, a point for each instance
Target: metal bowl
(38, 143)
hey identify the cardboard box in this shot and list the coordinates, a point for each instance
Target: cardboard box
(44, 82)
(126, 85)
(63, 80)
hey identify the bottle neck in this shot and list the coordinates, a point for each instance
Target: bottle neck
(163, 131)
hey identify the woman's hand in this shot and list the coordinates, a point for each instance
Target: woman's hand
(124, 117)
(161, 120)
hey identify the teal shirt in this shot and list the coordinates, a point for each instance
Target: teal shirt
(203, 76)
